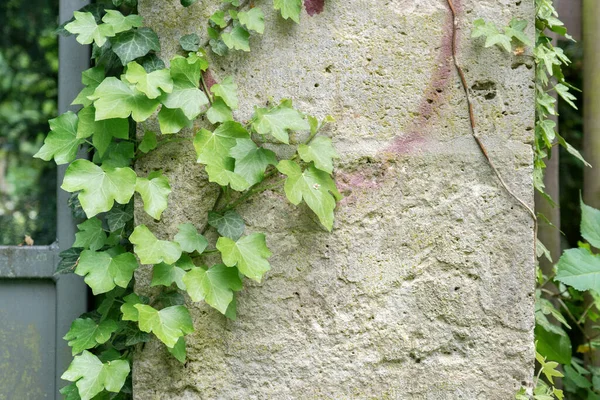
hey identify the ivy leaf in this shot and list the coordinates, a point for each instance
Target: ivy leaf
(103, 131)
(91, 235)
(249, 254)
(168, 299)
(190, 42)
(229, 224)
(189, 239)
(580, 269)
(492, 34)
(68, 260)
(130, 313)
(313, 186)
(172, 120)
(168, 324)
(321, 151)
(219, 112)
(277, 121)
(211, 147)
(186, 95)
(151, 62)
(148, 142)
(289, 9)
(91, 78)
(103, 271)
(92, 376)
(150, 250)
(221, 171)
(62, 142)
(165, 275)
(590, 224)
(218, 18)
(149, 83)
(237, 39)
(133, 44)
(178, 351)
(100, 186)
(251, 161)
(227, 91)
(118, 155)
(254, 19)
(87, 30)
(516, 30)
(115, 99)
(86, 333)
(214, 285)
(70, 392)
(154, 191)
(121, 23)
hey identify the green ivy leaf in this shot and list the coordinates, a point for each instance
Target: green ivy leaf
(178, 351)
(289, 9)
(70, 392)
(590, 224)
(254, 19)
(172, 120)
(214, 285)
(219, 112)
(221, 171)
(121, 23)
(516, 30)
(580, 269)
(130, 313)
(211, 147)
(320, 151)
(189, 239)
(251, 161)
(133, 44)
(313, 186)
(229, 224)
(154, 191)
(103, 131)
(227, 91)
(103, 271)
(100, 186)
(68, 260)
(218, 18)
(62, 142)
(115, 99)
(190, 42)
(492, 34)
(86, 333)
(165, 275)
(91, 235)
(91, 78)
(168, 324)
(148, 142)
(92, 376)
(186, 79)
(237, 39)
(277, 121)
(249, 254)
(151, 83)
(150, 250)
(151, 62)
(87, 30)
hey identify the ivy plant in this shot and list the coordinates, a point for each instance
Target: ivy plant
(130, 84)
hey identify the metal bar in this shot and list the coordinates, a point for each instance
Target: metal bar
(71, 292)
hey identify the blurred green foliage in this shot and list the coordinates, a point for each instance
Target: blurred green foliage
(28, 98)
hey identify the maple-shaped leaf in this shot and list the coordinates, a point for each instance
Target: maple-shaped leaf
(104, 271)
(121, 23)
(86, 333)
(249, 254)
(238, 38)
(152, 84)
(253, 19)
(150, 250)
(91, 78)
(168, 324)
(87, 30)
(186, 94)
(103, 131)
(114, 98)
(251, 161)
(289, 9)
(491, 33)
(62, 142)
(314, 186)
(320, 151)
(165, 274)
(227, 91)
(279, 120)
(214, 146)
(214, 285)
(229, 224)
(154, 191)
(100, 186)
(134, 44)
(130, 313)
(189, 239)
(222, 171)
(93, 376)
(91, 235)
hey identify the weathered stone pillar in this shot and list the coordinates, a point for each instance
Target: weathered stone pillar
(425, 288)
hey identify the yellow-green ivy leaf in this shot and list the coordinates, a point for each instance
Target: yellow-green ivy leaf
(87, 30)
(114, 98)
(289, 9)
(62, 142)
(168, 324)
(103, 271)
(86, 333)
(249, 254)
(150, 250)
(154, 191)
(214, 285)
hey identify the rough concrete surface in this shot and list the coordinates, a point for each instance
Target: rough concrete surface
(425, 287)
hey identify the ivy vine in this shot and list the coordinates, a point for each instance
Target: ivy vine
(129, 84)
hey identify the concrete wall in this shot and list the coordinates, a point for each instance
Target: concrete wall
(425, 288)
